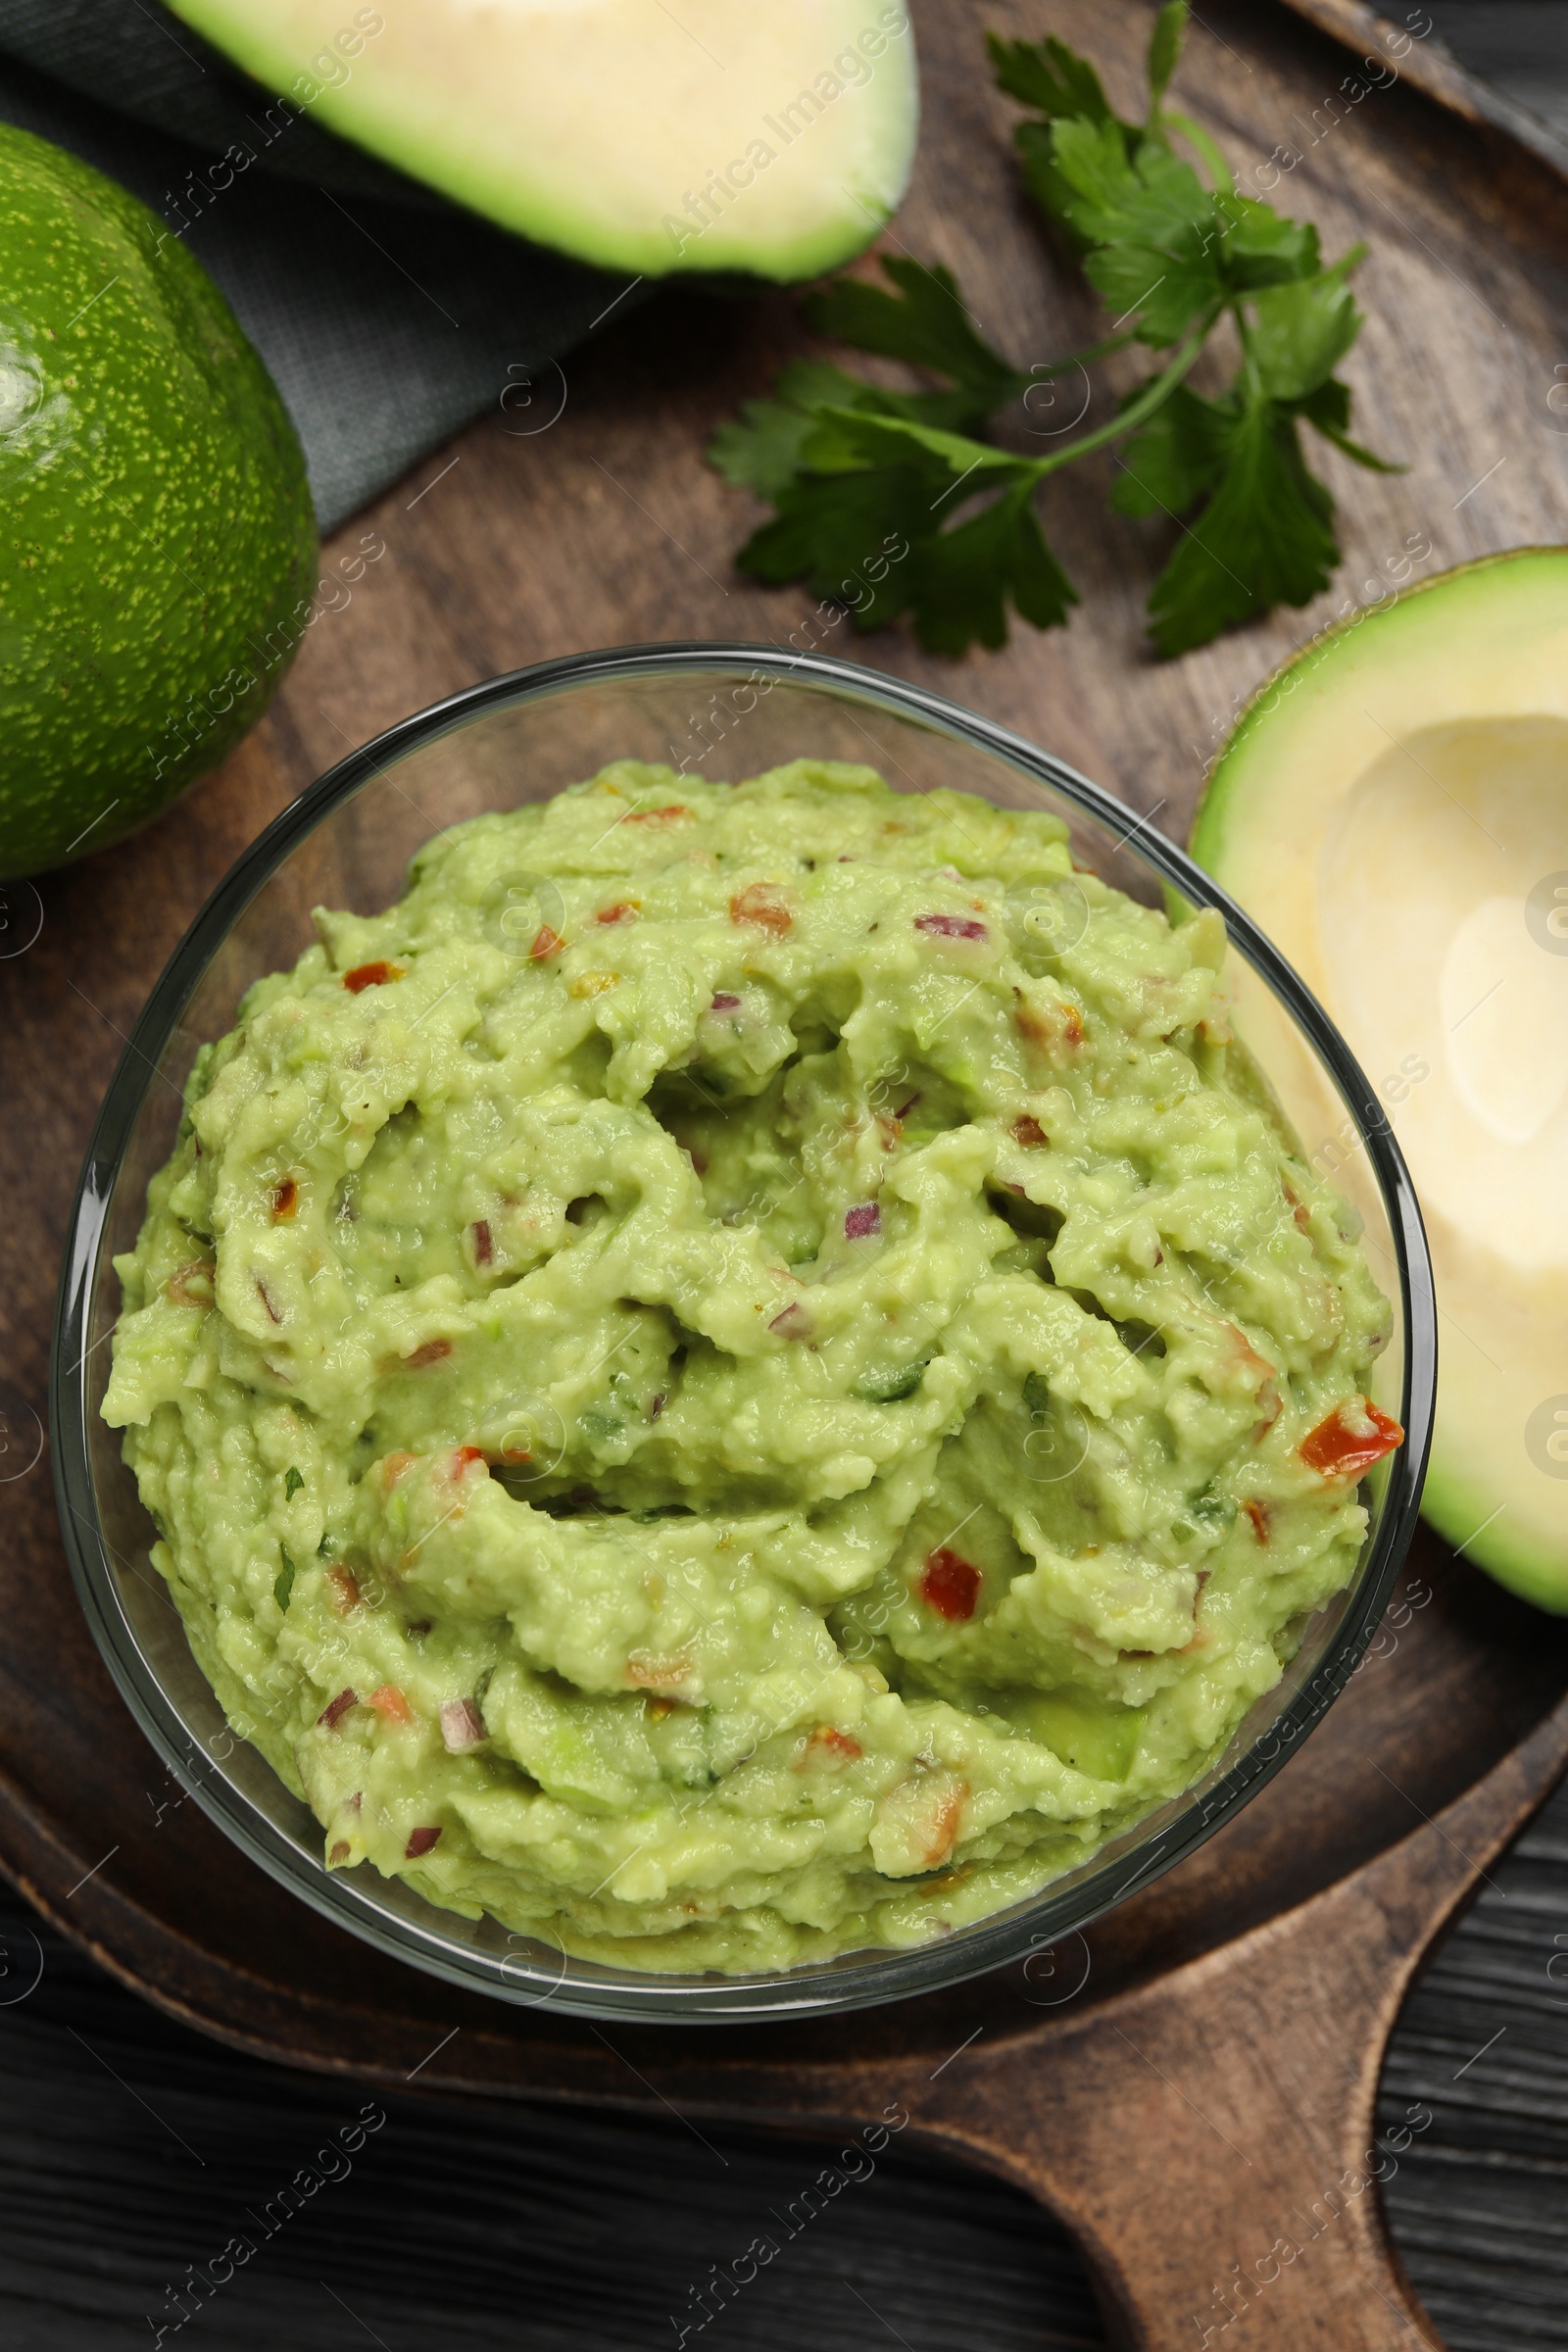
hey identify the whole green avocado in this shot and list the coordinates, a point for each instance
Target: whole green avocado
(159, 541)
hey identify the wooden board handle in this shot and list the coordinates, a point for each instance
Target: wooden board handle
(1211, 2138)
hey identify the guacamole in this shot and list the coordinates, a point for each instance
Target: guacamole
(749, 1371)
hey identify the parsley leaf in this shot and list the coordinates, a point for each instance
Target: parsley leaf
(766, 446)
(848, 536)
(1050, 77)
(964, 577)
(895, 503)
(1170, 462)
(954, 577)
(1264, 538)
(929, 328)
(1261, 247)
(1150, 230)
(763, 449)
(1301, 331)
(1328, 410)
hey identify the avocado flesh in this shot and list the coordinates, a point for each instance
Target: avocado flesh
(598, 126)
(1393, 809)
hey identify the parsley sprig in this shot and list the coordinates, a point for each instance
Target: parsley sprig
(850, 467)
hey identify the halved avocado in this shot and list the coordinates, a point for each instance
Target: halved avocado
(718, 135)
(1392, 807)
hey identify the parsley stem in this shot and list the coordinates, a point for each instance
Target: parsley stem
(1086, 358)
(1249, 367)
(1158, 389)
(1212, 153)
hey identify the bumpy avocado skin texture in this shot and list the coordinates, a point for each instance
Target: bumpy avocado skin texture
(159, 543)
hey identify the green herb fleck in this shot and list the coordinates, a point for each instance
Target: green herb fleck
(886, 1388)
(283, 1582)
(293, 1480)
(1212, 1511)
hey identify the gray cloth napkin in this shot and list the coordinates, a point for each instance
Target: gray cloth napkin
(388, 317)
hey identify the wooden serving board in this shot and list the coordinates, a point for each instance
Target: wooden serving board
(1405, 41)
(1196, 2076)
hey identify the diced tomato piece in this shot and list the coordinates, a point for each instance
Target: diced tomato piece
(760, 903)
(419, 1842)
(391, 1705)
(1258, 1512)
(370, 975)
(285, 1197)
(828, 1744)
(333, 1713)
(1029, 1132)
(1353, 1436)
(1238, 1350)
(624, 911)
(654, 817)
(947, 1819)
(466, 1454)
(949, 1585)
(1051, 1031)
(545, 942)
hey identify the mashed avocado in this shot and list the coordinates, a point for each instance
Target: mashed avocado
(746, 1372)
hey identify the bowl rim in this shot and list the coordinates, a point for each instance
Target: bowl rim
(855, 1979)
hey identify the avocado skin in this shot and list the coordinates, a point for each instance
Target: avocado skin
(159, 545)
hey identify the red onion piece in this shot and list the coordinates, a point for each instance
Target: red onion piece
(951, 926)
(462, 1725)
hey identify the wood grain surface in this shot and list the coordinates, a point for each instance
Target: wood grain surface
(605, 525)
(1410, 41)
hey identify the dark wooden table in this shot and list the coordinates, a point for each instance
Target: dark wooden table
(130, 2147)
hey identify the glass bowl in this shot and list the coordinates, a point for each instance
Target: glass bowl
(726, 711)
